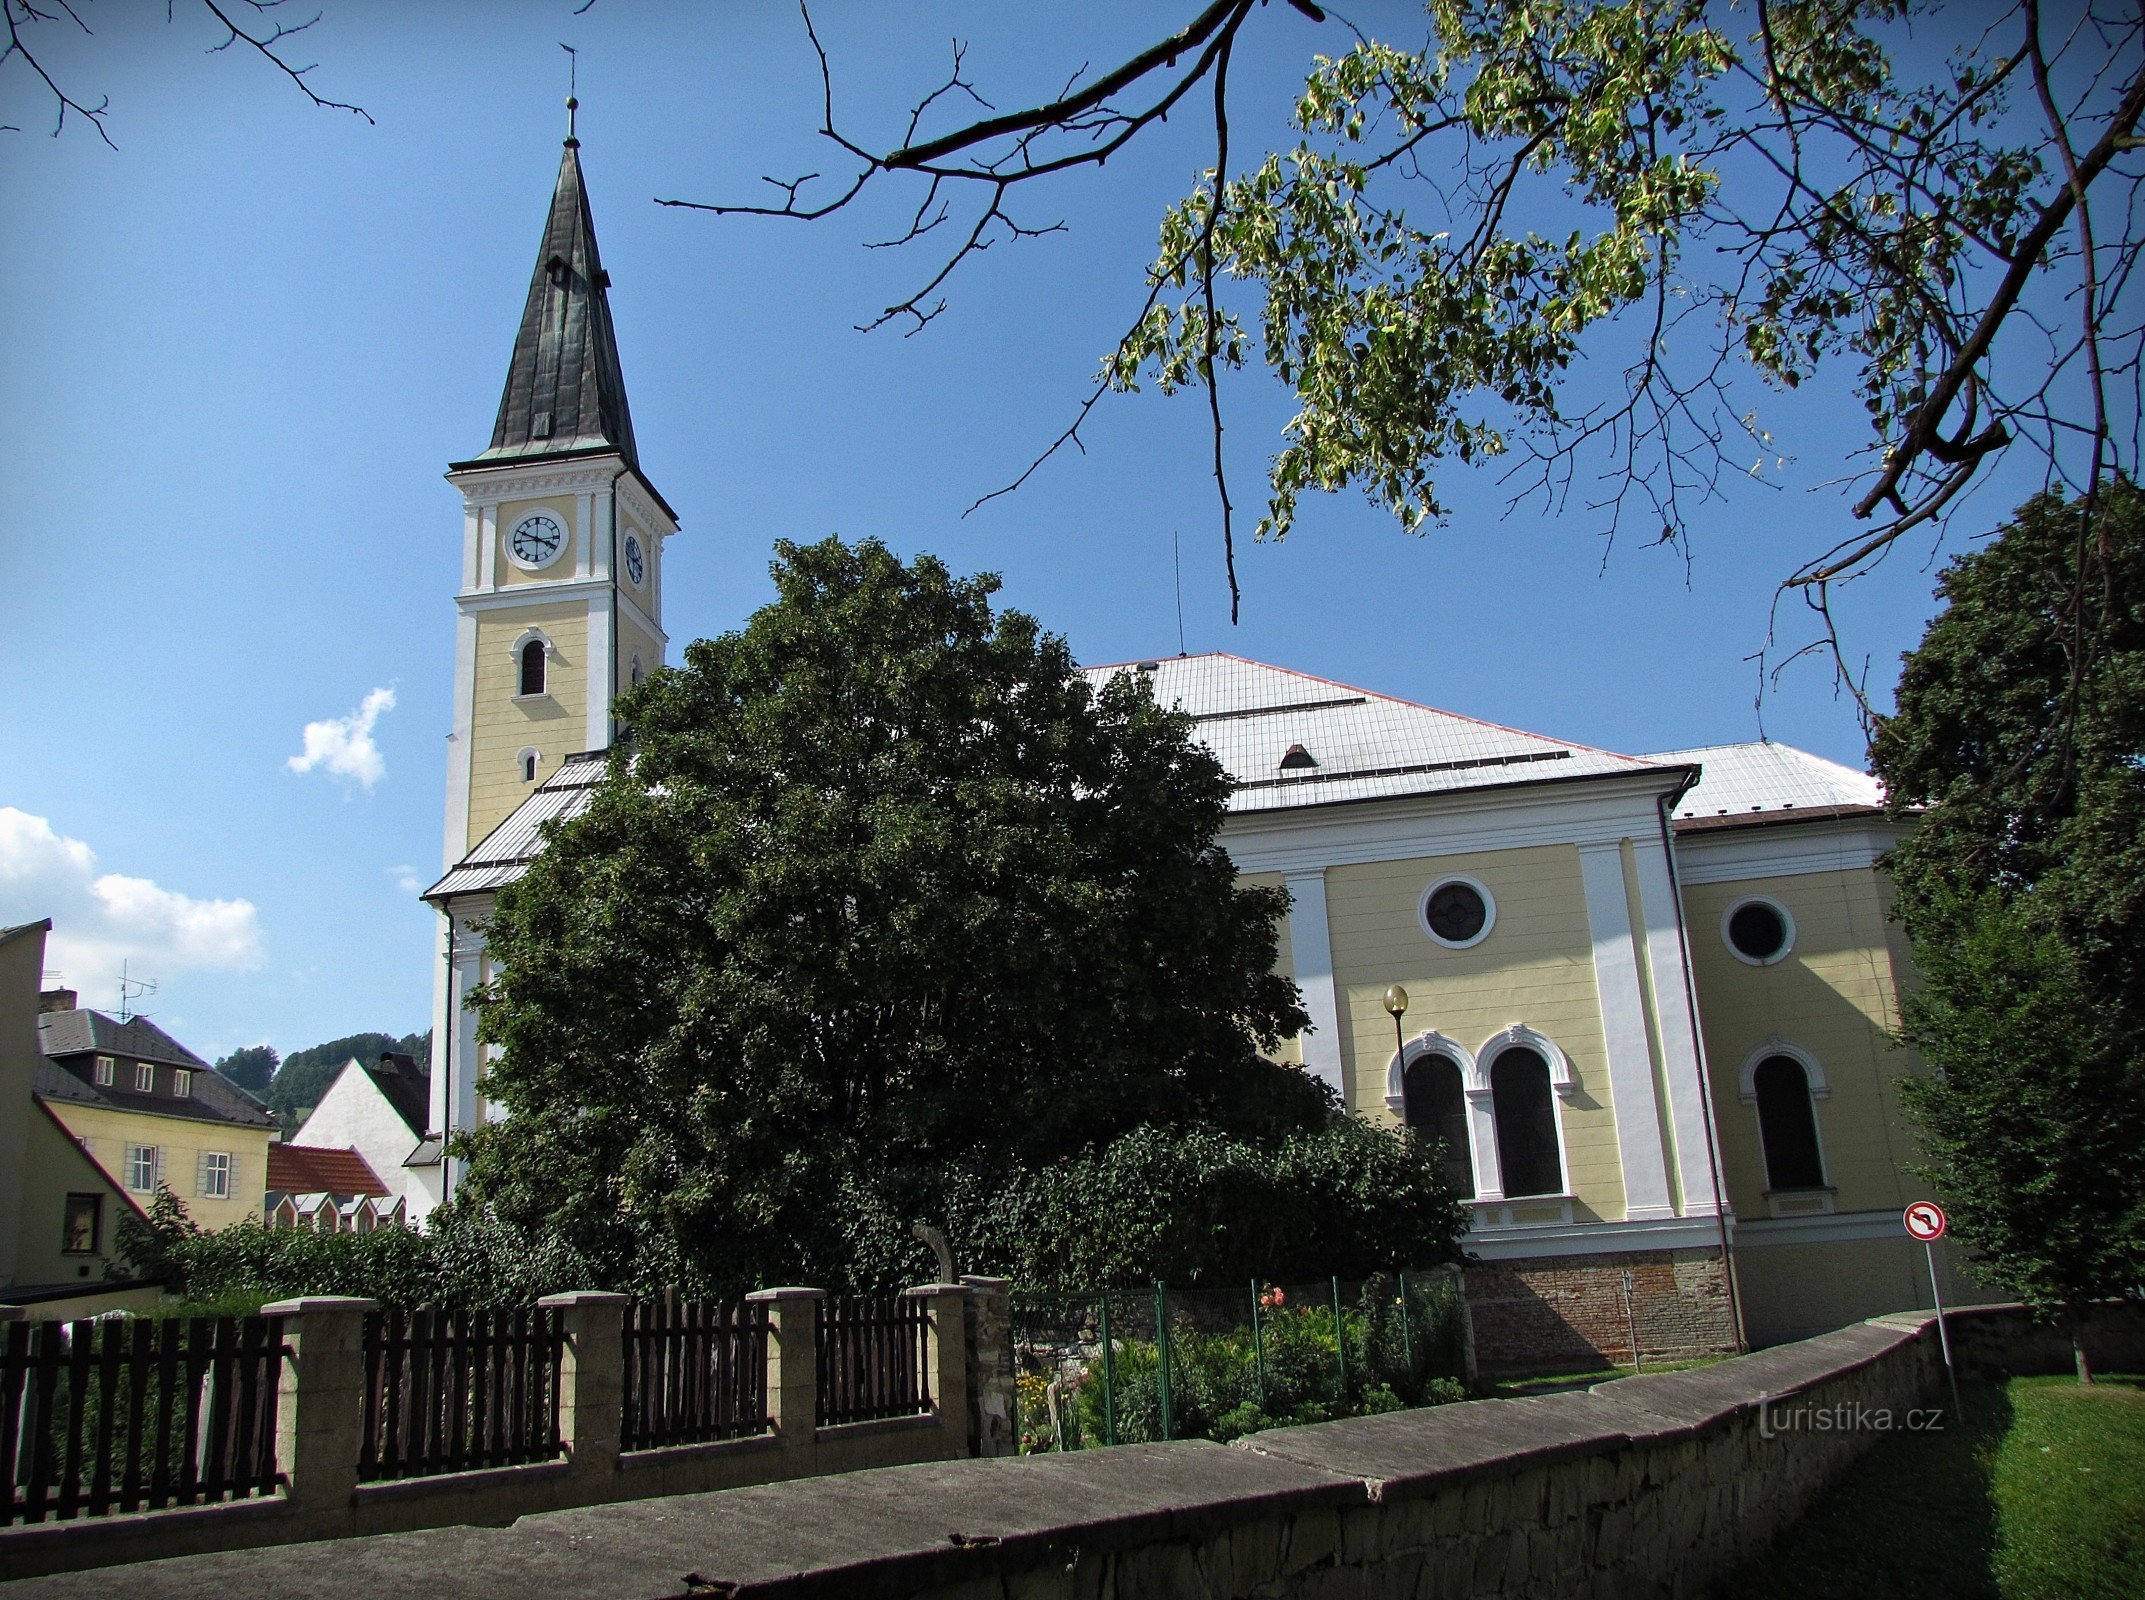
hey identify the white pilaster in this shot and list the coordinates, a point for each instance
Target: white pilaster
(461, 741)
(468, 1061)
(1311, 945)
(1669, 958)
(602, 670)
(589, 560)
(487, 573)
(1623, 1029)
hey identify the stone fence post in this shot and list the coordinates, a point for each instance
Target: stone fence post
(989, 1318)
(320, 1408)
(792, 1362)
(946, 1355)
(591, 1382)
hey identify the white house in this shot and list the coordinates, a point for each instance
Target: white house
(380, 1112)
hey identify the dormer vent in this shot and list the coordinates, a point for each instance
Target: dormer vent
(1298, 759)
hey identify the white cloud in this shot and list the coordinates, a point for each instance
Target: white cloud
(343, 745)
(407, 879)
(102, 919)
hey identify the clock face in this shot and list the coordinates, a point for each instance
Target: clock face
(536, 540)
(635, 567)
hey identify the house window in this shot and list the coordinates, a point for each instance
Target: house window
(142, 1165)
(144, 1076)
(1526, 1123)
(1759, 932)
(215, 1175)
(532, 668)
(1457, 912)
(84, 1225)
(1436, 1105)
(107, 1069)
(1787, 1125)
(530, 759)
(182, 1083)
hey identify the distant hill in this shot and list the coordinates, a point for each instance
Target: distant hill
(303, 1076)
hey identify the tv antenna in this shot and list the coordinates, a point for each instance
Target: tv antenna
(130, 990)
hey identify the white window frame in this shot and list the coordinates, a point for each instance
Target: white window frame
(144, 1077)
(182, 1083)
(143, 1163)
(1787, 923)
(216, 1172)
(527, 637)
(1432, 1043)
(107, 1072)
(529, 762)
(1489, 911)
(1563, 1084)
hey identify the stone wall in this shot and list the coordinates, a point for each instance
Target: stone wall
(1566, 1313)
(1652, 1485)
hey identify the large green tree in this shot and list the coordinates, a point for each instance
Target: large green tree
(880, 905)
(2017, 742)
(1553, 233)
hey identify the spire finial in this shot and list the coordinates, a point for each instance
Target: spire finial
(573, 83)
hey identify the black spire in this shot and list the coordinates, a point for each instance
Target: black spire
(565, 392)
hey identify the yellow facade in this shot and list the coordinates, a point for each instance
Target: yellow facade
(555, 723)
(1835, 997)
(108, 1134)
(1535, 967)
(56, 1168)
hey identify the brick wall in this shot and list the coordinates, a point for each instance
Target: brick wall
(1554, 1313)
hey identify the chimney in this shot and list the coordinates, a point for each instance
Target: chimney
(56, 1000)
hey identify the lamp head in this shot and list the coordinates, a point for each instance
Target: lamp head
(1396, 1001)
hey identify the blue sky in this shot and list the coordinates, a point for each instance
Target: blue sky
(242, 348)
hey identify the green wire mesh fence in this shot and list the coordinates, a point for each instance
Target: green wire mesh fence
(1123, 1366)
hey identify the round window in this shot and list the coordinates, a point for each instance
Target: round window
(1758, 931)
(1458, 912)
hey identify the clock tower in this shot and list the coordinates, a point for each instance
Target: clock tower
(560, 604)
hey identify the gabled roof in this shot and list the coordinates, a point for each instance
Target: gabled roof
(1290, 739)
(1743, 785)
(565, 392)
(44, 926)
(405, 1088)
(315, 1169)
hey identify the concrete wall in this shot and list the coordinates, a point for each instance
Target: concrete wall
(1654, 1485)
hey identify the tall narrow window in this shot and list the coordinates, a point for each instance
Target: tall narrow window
(215, 1175)
(182, 1082)
(106, 1069)
(142, 1164)
(1436, 1106)
(529, 762)
(1526, 1123)
(532, 667)
(144, 1076)
(1787, 1125)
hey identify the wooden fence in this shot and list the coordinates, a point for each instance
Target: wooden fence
(694, 1372)
(872, 1358)
(135, 1415)
(449, 1391)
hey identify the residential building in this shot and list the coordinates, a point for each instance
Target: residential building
(381, 1112)
(329, 1190)
(59, 1210)
(150, 1112)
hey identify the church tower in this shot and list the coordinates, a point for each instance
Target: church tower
(560, 605)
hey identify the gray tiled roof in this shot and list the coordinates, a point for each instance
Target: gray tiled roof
(211, 1098)
(406, 1088)
(565, 391)
(1345, 743)
(64, 1033)
(1765, 782)
(502, 854)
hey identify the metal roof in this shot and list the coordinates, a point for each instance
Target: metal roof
(1765, 782)
(502, 854)
(1290, 739)
(209, 1099)
(565, 391)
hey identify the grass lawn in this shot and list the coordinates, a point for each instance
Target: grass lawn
(2040, 1495)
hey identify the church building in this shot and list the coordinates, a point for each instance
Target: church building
(1643, 1000)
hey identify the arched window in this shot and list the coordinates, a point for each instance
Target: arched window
(1787, 1125)
(1435, 1103)
(1526, 1123)
(532, 667)
(530, 760)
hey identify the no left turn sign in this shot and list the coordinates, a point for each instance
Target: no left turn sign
(1925, 1221)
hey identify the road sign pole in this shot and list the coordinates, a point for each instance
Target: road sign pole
(1943, 1329)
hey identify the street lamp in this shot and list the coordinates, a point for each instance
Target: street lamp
(1396, 1001)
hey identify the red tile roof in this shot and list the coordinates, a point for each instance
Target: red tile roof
(309, 1169)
